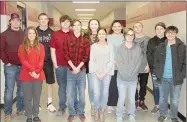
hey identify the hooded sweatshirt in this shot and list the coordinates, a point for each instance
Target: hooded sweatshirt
(9, 44)
(129, 62)
(44, 37)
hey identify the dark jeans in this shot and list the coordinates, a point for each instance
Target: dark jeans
(143, 79)
(11, 77)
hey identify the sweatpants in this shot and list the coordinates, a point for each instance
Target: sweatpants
(32, 92)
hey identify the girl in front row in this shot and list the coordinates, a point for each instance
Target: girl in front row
(31, 54)
(102, 68)
(129, 64)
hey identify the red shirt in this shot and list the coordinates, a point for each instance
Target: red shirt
(31, 61)
(76, 50)
(9, 44)
(57, 40)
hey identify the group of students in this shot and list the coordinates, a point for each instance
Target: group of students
(114, 62)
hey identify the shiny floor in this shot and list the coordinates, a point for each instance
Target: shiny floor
(51, 117)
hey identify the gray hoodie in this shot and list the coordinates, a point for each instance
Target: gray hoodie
(129, 62)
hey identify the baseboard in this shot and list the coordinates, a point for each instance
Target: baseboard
(183, 118)
(2, 105)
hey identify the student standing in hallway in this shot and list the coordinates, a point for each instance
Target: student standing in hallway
(102, 68)
(44, 36)
(31, 54)
(142, 40)
(151, 48)
(76, 51)
(10, 41)
(59, 62)
(115, 38)
(129, 62)
(170, 70)
(93, 26)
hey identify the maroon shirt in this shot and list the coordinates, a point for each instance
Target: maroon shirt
(76, 50)
(57, 40)
(9, 44)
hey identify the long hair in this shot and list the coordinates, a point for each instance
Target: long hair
(104, 31)
(115, 21)
(89, 29)
(26, 41)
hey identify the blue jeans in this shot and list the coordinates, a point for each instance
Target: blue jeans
(61, 76)
(11, 76)
(90, 88)
(122, 88)
(101, 91)
(155, 89)
(76, 82)
(165, 88)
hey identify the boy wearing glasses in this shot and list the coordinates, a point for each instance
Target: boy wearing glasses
(170, 69)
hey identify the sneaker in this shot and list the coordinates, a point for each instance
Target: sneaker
(110, 109)
(51, 108)
(162, 118)
(119, 119)
(60, 112)
(137, 104)
(143, 106)
(8, 118)
(70, 118)
(131, 118)
(36, 119)
(29, 120)
(174, 120)
(20, 112)
(155, 110)
(82, 117)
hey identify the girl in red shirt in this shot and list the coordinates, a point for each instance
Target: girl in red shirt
(31, 54)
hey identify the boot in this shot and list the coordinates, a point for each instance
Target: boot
(97, 115)
(102, 115)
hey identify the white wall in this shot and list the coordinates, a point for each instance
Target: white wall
(106, 22)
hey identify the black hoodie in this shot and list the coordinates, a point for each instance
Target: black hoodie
(44, 37)
(151, 48)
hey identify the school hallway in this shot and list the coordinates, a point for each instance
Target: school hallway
(51, 117)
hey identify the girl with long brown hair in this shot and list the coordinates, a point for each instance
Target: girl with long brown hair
(31, 54)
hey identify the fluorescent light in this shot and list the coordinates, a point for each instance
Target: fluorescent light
(85, 1)
(85, 14)
(85, 18)
(85, 9)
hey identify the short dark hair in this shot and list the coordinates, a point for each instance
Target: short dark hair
(160, 24)
(115, 21)
(64, 18)
(139, 23)
(76, 20)
(172, 28)
(42, 14)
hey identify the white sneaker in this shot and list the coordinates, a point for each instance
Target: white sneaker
(131, 118)
(51, 108)
(110, 109)
(119, 119)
